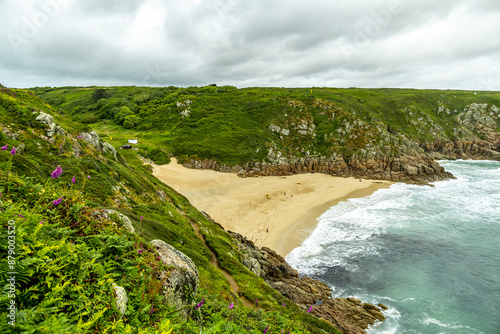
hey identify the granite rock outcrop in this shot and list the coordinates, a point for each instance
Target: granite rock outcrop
(180, 284)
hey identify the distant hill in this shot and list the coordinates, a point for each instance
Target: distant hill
(392, 134)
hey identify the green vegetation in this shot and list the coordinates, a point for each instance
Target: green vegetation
(68, 256)
(238, 126)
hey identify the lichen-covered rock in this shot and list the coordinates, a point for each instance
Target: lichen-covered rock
(161, 195)
(107, 148)
(106, 215)
(45, 119)
(181, 283)
(92, 138)
(121, 298)
(52, 128)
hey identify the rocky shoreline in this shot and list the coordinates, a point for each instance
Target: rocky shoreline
(419, 169)
(349, 315)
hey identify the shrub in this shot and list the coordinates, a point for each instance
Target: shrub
(131, 121)
(124, 112)
(159, 156)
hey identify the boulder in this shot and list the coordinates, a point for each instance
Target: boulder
(161, 195)
(121, 298)
(45, 119)
(180, 284)
(355, 301)
(92, 138)
(127, 223)
(382, 306)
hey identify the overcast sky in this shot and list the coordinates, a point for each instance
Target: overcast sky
(442, 44)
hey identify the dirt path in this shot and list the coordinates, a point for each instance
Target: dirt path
(234, 286)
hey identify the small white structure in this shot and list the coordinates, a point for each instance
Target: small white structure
(132, 141)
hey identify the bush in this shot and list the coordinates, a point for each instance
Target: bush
(89, 118)
(159, 156)
(131, 121)
(124, 112)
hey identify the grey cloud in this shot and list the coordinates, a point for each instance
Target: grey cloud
(423, 44)
(107, 7)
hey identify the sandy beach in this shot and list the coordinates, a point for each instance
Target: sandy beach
(277, 212)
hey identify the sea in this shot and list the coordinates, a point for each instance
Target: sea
(431, 254)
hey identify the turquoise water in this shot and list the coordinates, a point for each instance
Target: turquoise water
(431, 254)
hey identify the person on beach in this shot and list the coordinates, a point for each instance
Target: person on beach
(267, 229)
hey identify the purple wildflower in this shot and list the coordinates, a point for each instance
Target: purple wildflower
(41, 223)
(56, 173)
(256, 301)
(142, 217)
(265, 330)
(231, 306)
(5, 147)
(13, 152)
(116, 258)
(88, 176)
(80, 137)
(284, 304)
(73, 180)
(199, 304)
(310, 309)
(140, 251)
(57, 201)
(151, 309)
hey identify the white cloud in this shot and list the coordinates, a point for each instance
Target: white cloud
(380, 43)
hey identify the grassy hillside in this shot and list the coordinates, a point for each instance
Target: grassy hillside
(66, 257)
(237, 126)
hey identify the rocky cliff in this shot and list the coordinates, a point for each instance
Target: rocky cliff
(375, 151)
(419, 168)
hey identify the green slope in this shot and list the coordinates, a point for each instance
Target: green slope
(67, 259)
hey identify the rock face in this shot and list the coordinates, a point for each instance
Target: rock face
(479, 135)
(53, 130)
(349, 315)
(181, 283)
(93, 139)
(418, 169)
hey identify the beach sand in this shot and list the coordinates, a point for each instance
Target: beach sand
(278, 212)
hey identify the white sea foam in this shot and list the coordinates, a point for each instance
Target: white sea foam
(425, 229)
(431, 321)
(343, 229)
